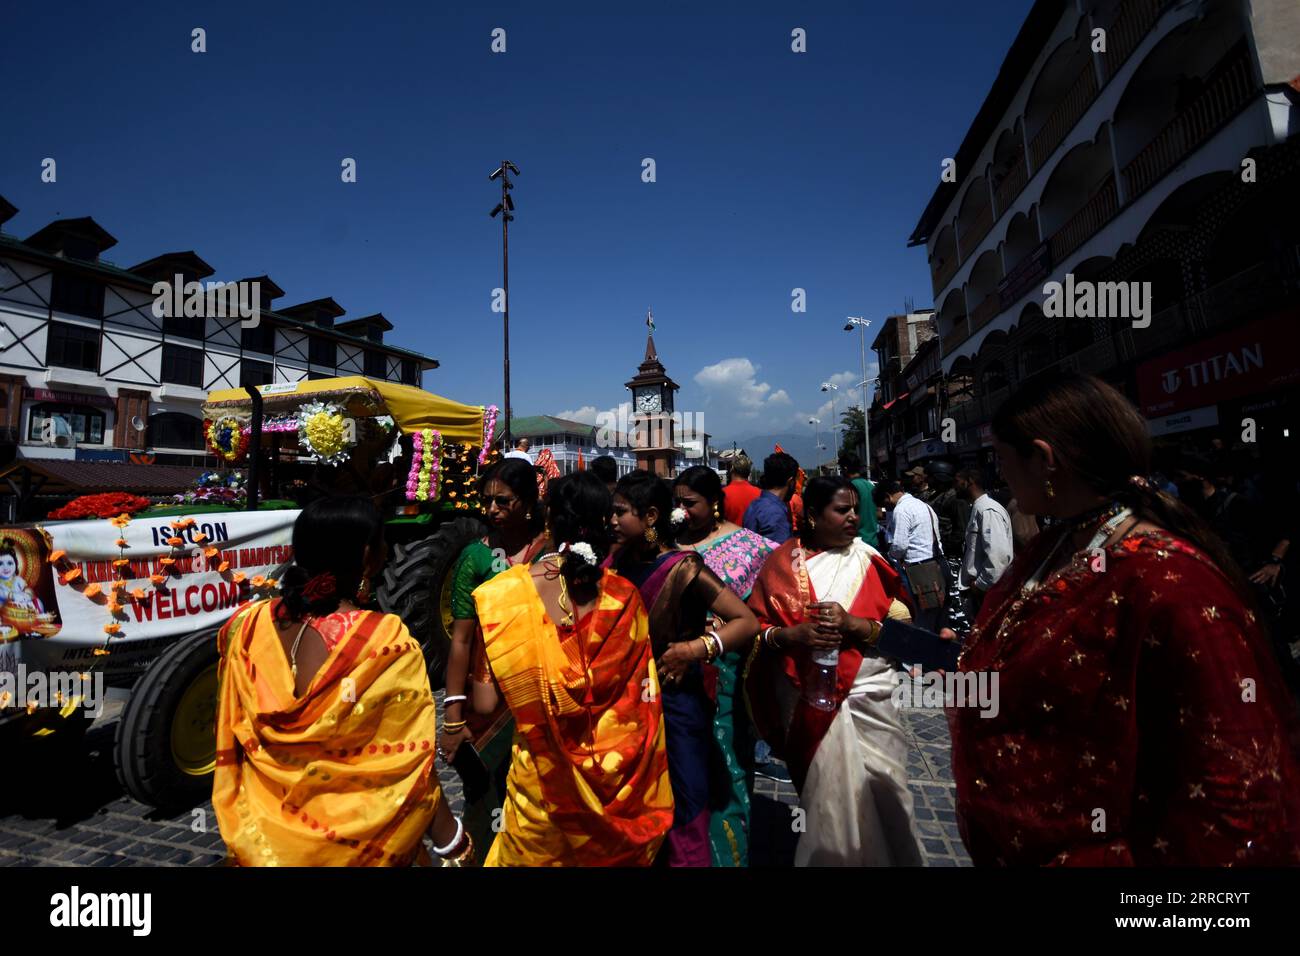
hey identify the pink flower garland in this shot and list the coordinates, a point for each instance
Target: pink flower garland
(489, 428)
(426, 461)
(417, 461)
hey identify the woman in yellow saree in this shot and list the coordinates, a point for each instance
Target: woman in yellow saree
(325, 729)
(568, 645)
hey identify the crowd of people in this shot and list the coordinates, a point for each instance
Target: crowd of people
(651, 637)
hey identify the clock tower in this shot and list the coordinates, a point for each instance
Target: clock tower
(651, 425)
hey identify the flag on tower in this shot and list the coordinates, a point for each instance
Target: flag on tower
(650, 321)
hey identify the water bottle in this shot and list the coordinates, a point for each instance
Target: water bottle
(820, 693)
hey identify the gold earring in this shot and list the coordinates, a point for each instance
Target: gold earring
(528, 516)
(716, 513)
(651, 536)
(812, 524)
(363, 591)
(1048, 489)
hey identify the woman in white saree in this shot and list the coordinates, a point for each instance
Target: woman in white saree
(835, 724)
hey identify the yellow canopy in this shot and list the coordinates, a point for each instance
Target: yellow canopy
(412, 408)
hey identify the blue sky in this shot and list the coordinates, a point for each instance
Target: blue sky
(774, 171)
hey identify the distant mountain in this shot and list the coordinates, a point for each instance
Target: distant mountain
(801, 446)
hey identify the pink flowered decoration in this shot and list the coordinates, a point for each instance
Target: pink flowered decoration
(489, 429)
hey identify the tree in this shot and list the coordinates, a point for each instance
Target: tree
(853, 430)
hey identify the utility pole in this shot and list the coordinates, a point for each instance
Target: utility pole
(861, 324)
(505, 207)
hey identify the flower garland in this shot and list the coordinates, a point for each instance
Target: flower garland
(426, 459)
(489, 429)
(116, 597)
(277, 423)
(323, 432)
(226, 438)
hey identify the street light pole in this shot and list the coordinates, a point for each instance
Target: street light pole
(817, 440)
(505, 207)
(861, 323)
(835, 438)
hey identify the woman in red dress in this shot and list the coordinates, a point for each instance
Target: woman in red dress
(1140, 719)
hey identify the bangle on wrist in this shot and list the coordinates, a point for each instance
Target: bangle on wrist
(444, 851)
(454, 698)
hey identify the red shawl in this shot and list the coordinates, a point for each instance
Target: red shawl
(778, 600)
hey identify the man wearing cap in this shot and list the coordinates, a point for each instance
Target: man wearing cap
(917, 485)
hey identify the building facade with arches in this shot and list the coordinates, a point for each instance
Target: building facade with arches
(1144, 142)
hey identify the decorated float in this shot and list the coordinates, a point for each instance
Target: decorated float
(131, 591)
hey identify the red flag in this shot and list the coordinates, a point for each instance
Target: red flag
(581, 466)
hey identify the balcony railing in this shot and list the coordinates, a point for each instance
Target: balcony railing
(984, 313)
(1228, 89)
(1072, 106)
(944, 272)
(1013, 184)
(1133, 22)
(959, 334)
(1085, 223)
(1250, 293)
(974, 234)
(1242, 296)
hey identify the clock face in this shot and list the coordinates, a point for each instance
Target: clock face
(648, 400)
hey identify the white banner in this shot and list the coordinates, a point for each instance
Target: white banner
(53, 615)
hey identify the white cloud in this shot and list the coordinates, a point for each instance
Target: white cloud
(779, 397)
(586, 414)
(734, 381)
(845, 380)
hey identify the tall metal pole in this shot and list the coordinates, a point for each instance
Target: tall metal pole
(505, 207)
(817, 440)
(835, 434)
(505, 281)
(866, 427)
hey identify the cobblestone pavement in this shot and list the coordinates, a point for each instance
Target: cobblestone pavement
(71, 811)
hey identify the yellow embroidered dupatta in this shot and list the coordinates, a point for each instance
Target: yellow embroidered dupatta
(342, 776)
(588, 782)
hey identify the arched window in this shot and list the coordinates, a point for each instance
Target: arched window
(175, 430)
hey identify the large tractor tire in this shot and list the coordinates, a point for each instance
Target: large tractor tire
(416, 585)
(167, 736)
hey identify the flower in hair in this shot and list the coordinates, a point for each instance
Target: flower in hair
(1140, 482)
(678, 516)
(319, 587)
(582, 550)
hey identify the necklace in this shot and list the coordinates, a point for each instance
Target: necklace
(1019, 599)
(1087, 519)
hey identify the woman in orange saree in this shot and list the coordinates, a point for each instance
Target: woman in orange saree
(325, 729)
(568, 646)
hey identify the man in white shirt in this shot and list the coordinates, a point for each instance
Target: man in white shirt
(911, 525)
(988, 540)
(913, 530)
(521, 451)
